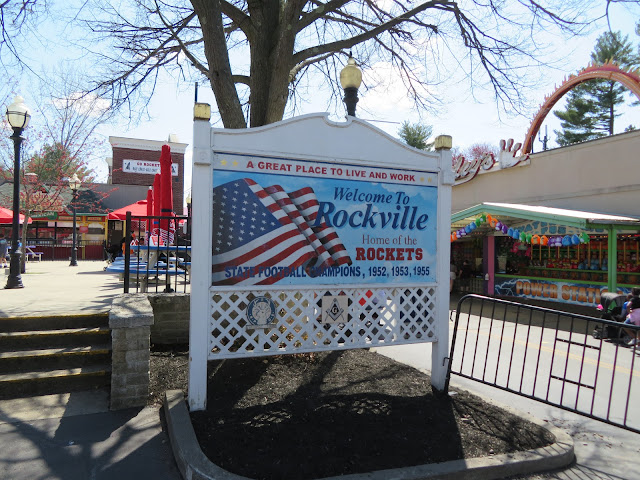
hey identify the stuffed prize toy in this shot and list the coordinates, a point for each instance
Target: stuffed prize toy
(505, 229)
(510, 232)
(535, 239)
(584, 238)
(529, 238)
(516, 234)
(499, 225)
(544, 240)
(478, 221)
(523, 237)
(566, 241)
(575, 240)
(467, 229)
(473, 226)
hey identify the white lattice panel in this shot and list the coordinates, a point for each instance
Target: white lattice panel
(376, 317)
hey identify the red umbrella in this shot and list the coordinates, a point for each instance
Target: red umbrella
(156, 195)
(167, 228)
(149, 208)
(137, 209)
(166, 207)
(6, 216)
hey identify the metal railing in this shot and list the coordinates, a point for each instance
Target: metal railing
(578, 363)
(165, 267)
(52, 249)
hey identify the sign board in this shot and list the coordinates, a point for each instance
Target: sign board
(147, 167)
(587, 294)
(310, 223)
(310, 235)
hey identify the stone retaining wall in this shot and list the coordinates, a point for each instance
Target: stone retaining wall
(130, 319)
(171, 318)
(136, 321)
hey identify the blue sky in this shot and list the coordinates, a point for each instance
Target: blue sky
(468, 118)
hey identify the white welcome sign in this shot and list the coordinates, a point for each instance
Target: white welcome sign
(311, 235)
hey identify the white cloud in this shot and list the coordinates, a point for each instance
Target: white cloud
(84, 104)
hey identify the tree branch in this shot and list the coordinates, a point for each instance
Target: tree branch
(368, 35)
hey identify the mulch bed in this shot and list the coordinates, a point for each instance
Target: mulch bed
(317, 415)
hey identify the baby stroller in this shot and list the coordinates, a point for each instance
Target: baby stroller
(611, 303)
(111, 253)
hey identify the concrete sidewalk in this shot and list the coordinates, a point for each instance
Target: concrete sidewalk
(74, 436)
(55, 288)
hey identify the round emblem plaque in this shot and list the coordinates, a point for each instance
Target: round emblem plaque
(261, 311)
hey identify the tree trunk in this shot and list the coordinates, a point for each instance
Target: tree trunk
(220, 74)
(612, 86)
(271, 58)
(611, 118)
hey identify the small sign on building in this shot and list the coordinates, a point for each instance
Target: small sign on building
(146, 167)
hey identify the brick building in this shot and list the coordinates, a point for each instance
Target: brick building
(136, 161)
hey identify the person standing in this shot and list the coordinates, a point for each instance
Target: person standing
(633, 318)
(465, 276)
(452, 275)
(4, 247)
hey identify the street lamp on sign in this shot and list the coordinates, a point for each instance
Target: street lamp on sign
(351, 79)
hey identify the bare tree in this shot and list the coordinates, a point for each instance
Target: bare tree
(70, 118)
(18, 20)
(255, 53)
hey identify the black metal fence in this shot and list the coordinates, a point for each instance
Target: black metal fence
(162, 266)
(578, 363)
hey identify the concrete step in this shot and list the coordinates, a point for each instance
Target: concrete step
(54, 358)
(14, 385)
(54, 354)
(69, 337)
(51, 322)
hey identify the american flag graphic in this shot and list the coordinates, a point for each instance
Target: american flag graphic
(268, 227)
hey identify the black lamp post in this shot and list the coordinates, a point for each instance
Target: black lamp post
(350, 79)
(74, 184)
(18, 116)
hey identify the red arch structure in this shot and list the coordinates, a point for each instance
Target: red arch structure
(607, 71)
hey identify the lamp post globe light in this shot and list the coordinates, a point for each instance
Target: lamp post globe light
(351, 79)
(74, 184)
(18, 116)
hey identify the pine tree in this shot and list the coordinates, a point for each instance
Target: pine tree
(591, 106)
(416, 135)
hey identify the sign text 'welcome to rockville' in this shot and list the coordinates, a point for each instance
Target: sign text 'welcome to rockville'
(288, 221)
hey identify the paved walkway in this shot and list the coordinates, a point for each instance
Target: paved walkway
(74, 436)
(53, 287)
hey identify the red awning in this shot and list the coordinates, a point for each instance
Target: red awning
(137, 209)
(6, 216)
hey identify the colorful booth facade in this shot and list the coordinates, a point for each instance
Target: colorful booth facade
(547, 253)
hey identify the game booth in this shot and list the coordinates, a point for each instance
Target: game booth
(546, 253)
